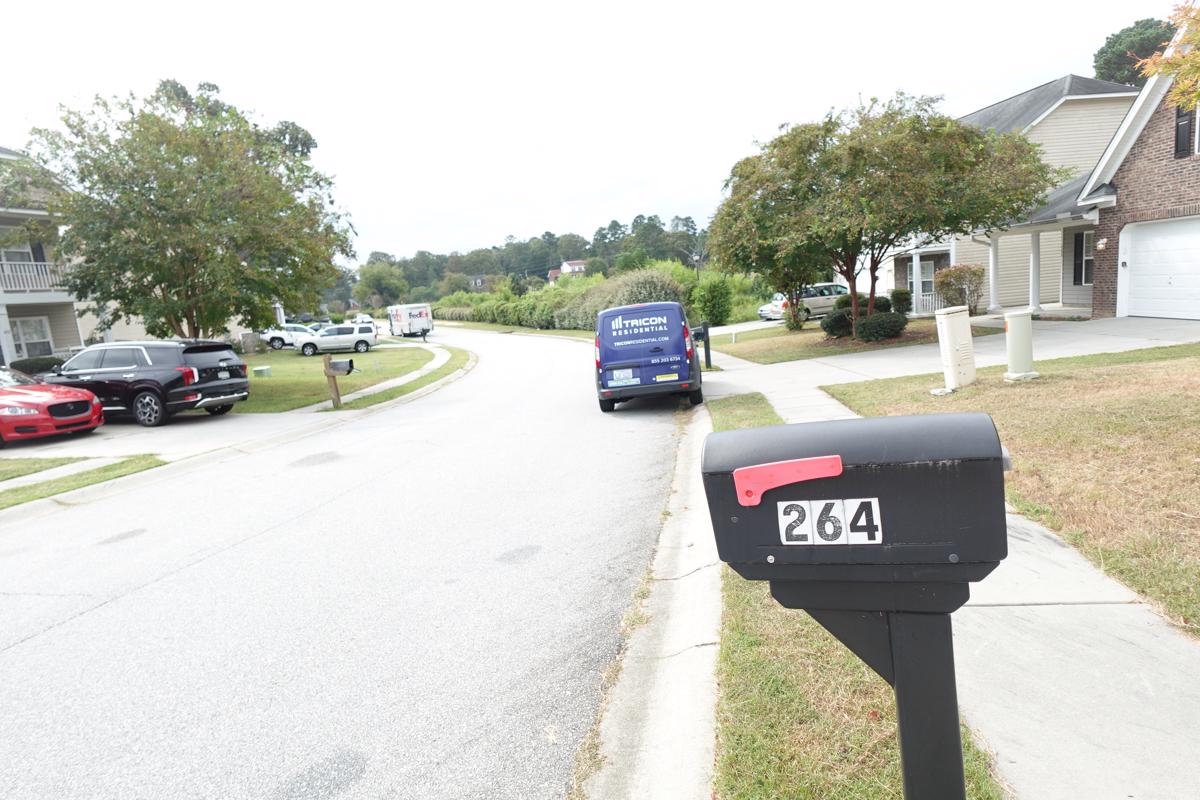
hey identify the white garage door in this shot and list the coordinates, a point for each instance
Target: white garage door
(1164, 269)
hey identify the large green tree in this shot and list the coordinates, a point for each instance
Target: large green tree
(380, 283)
(1117, 59)
(181, 211)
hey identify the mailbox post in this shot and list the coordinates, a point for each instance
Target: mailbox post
(875, 527)
(333, 369)
(701, 333)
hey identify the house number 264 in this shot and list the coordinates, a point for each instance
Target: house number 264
(822, 522)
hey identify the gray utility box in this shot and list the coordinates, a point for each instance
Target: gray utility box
(880, 514)
(876, 528)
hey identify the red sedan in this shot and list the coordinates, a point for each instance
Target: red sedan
(29, 409)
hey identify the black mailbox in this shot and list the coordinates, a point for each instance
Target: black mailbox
(341, 367)
(876, 527)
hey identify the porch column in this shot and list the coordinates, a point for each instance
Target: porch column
(994, 274)
(8, 347)
(916, 283)
(1035, 271)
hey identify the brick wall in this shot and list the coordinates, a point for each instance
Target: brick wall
(1151, 184)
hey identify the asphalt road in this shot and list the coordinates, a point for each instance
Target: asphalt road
(416, 604)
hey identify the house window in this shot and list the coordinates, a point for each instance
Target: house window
(31, 335)
(1185, 122)
(1085, 257)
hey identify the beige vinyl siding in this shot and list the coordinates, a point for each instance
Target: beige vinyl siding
(127, 330)
(64, 333)
(1014, 266)
(1075, 134)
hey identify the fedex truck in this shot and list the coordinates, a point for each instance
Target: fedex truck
(414, 319)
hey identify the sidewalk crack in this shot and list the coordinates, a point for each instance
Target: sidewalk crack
(691, 572)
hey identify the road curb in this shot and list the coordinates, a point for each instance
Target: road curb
(25, 512)
(657, 734)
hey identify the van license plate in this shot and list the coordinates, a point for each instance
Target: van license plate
(223, 374)
(622, 374)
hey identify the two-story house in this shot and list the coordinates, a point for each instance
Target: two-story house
(1145, 190)
(37, 316)
(1034, 261)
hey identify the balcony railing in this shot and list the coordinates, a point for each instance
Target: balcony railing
(32, 276)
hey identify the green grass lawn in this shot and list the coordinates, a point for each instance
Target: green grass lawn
(297, 381)
(36, 491)
(458, 359)
(799, 715)
(1106, 451)
(490, 326)
(772, 345)
(19, 467)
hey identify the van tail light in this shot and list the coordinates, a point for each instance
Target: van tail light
(687, 337)
(190, 375)
(597, 352)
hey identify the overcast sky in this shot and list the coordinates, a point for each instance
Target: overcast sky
(448, 126)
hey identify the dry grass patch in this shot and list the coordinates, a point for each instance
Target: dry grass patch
(799, 715)
(772, 345)
(1106, 450)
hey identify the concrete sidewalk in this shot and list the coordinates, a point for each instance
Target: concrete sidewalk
(1075, 684)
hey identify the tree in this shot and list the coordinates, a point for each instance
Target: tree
(1182, 64)
(763, 226)
(380, 283)
(1117, 59)
(181, 211)
(453, 282)
(900, 175)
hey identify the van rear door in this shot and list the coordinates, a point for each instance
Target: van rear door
(642, 346)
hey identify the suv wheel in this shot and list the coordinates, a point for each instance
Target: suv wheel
(148, 409)
(361, 347)
(309, 349)
(276, 343)
(217, 411)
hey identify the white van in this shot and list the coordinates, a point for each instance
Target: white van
(414, 319)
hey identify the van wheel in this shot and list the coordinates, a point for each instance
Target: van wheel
(607, 405)
(696, 397)
(361, 347)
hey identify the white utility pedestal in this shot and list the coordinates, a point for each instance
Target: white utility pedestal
(1018, 335)
(957, 347)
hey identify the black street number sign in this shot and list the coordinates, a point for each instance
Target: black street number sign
(821, 522)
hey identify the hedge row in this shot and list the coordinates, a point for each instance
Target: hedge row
(554, 308)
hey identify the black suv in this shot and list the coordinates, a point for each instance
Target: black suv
(153, 380)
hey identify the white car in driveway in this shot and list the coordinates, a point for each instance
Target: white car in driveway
(359, 338)
(279, 338)
(818, 301)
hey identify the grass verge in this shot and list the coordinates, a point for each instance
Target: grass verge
(458, 359)
(36, 491)
(1104, 451)
(772, 345)
(491, 326)
(19, 467)
(799, 715)
(297, 381)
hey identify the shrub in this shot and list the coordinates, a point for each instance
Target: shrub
(882, 325)
(639, 286)
(960, 285)
(713, 298)
(837, 324)
(901, 301)
(36, 364)
(882, 304)
(337, 319)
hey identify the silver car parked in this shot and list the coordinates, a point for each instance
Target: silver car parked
(359, 338)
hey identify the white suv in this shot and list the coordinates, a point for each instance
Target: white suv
(279, 338)
(359, 338)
